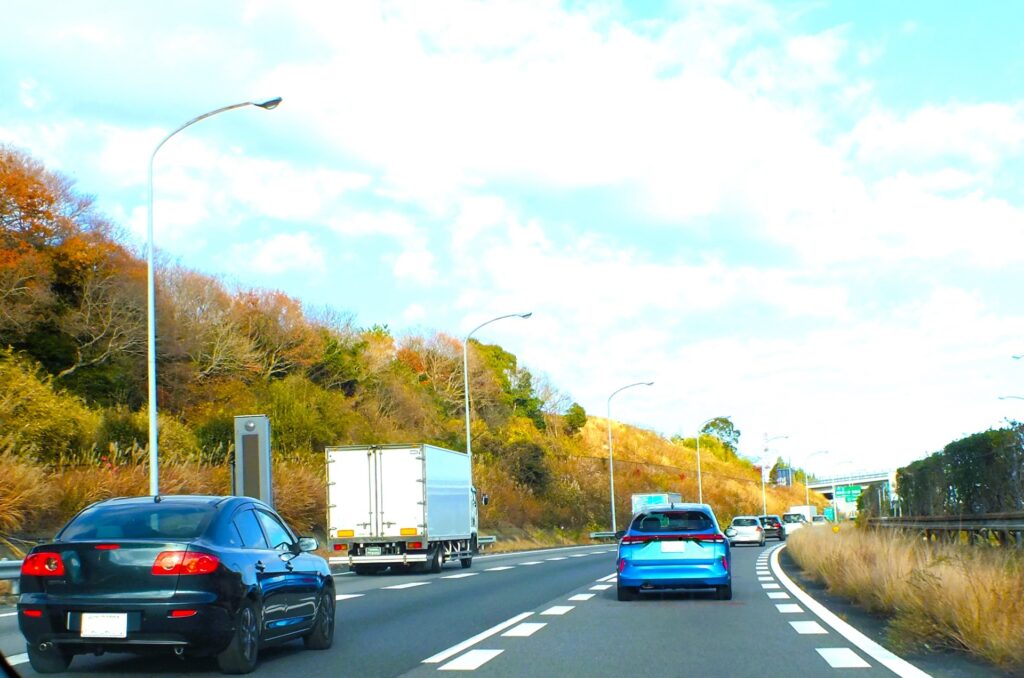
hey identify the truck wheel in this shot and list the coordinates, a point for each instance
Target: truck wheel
(466, 562)
(437, 561)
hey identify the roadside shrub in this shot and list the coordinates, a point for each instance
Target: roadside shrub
(36, 419)
(945, 595)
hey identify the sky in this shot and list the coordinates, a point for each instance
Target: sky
(807, 216)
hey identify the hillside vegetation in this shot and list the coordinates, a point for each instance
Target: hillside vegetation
(73, 397)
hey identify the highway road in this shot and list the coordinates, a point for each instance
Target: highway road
(542, 613)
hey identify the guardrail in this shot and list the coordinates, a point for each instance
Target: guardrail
(602, 535)
(1006, 529)
(11, 569)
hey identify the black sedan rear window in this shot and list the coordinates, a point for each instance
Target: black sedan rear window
(672, 521)
(139, 521)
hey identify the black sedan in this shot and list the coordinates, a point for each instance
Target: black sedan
(772, 525)
(197, 575)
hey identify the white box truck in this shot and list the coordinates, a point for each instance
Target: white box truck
(400, 506)
(642, 501)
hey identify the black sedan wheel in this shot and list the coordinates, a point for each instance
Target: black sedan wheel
(241, 654)
(321, 636)
(51, 660)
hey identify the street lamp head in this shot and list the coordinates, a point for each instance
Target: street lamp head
(270, 104)
(524, 316)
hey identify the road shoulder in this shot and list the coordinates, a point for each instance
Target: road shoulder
(940, 664)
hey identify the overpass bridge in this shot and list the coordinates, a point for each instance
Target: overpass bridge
(825, 485)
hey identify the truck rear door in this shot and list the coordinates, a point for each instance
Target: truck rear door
(399, 492)
(351, 477)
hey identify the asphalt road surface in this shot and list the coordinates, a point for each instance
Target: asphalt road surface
(548, 613)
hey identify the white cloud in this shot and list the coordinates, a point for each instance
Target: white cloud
(279, 254)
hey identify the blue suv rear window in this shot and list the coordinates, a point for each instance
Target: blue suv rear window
(672, 521)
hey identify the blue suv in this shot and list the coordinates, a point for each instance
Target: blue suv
(674, 546)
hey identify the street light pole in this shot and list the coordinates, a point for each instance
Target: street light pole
(465, 376)
(807, 490)
(611, 459)
(764, 492)
(154, 471)
(700, 485)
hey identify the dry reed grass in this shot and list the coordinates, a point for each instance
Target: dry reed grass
(942, 595)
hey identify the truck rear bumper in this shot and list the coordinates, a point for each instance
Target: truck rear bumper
(376, 560)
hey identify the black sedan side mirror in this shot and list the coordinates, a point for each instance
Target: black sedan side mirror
(307, 544)
(620, 534)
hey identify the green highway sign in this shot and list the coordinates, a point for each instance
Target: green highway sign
(848, 492)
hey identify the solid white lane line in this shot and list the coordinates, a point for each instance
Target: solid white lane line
(842, 658)
(470, 661)
(461, 575)
(808, 627)
(533, 562)
(613, 575)
(557, 558)
(346, 596)
(600, 587)
(769, 586)
(778, 595)
(470, 642)
(500, 568)
(16, 659)
(582, 596)
(525, 630)
(789, 608)
(557, 610)
(901, 667)
(398, 587)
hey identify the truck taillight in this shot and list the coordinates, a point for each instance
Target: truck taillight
(341, 547)
(43, 564)
(415, 544)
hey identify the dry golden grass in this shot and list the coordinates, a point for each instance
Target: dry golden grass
(25, 495)
(940, 594)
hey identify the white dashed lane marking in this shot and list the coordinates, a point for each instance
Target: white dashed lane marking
(765, 579)
(579, 555)
(842, 658)
(470, 642)
(557, 610)
(462, 575)
(347, 596)
(582, 596)
(533, 562)
(808, 627)
(16, 659)
(778, 595)
(769, 586)
(608, 578)
(789, 608)
(525, 630)
(600, 587)
(500, 568)
(471, 661)
(412, 584)
(557, 558)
